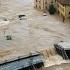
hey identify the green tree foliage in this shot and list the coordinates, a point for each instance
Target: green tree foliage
(52, 9)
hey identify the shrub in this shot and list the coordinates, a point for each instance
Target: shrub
(52, 9)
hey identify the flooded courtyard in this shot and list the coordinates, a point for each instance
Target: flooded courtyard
(33, 33)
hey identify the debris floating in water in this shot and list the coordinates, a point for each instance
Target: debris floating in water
(21, 17)
(8, 37)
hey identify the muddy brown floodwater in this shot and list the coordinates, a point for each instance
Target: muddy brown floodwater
(33, 33)
(59, 67)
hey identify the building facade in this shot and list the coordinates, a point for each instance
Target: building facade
(42, 4)
(63, 7)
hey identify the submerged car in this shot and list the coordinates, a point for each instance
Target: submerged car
(63, 49)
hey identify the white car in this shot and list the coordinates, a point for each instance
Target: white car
(63, 49)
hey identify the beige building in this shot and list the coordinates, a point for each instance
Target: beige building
(42, 4)
(63, 7)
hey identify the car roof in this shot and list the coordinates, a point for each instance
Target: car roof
(65, 45)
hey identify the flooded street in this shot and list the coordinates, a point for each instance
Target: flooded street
(59, 67)
(34, 32)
